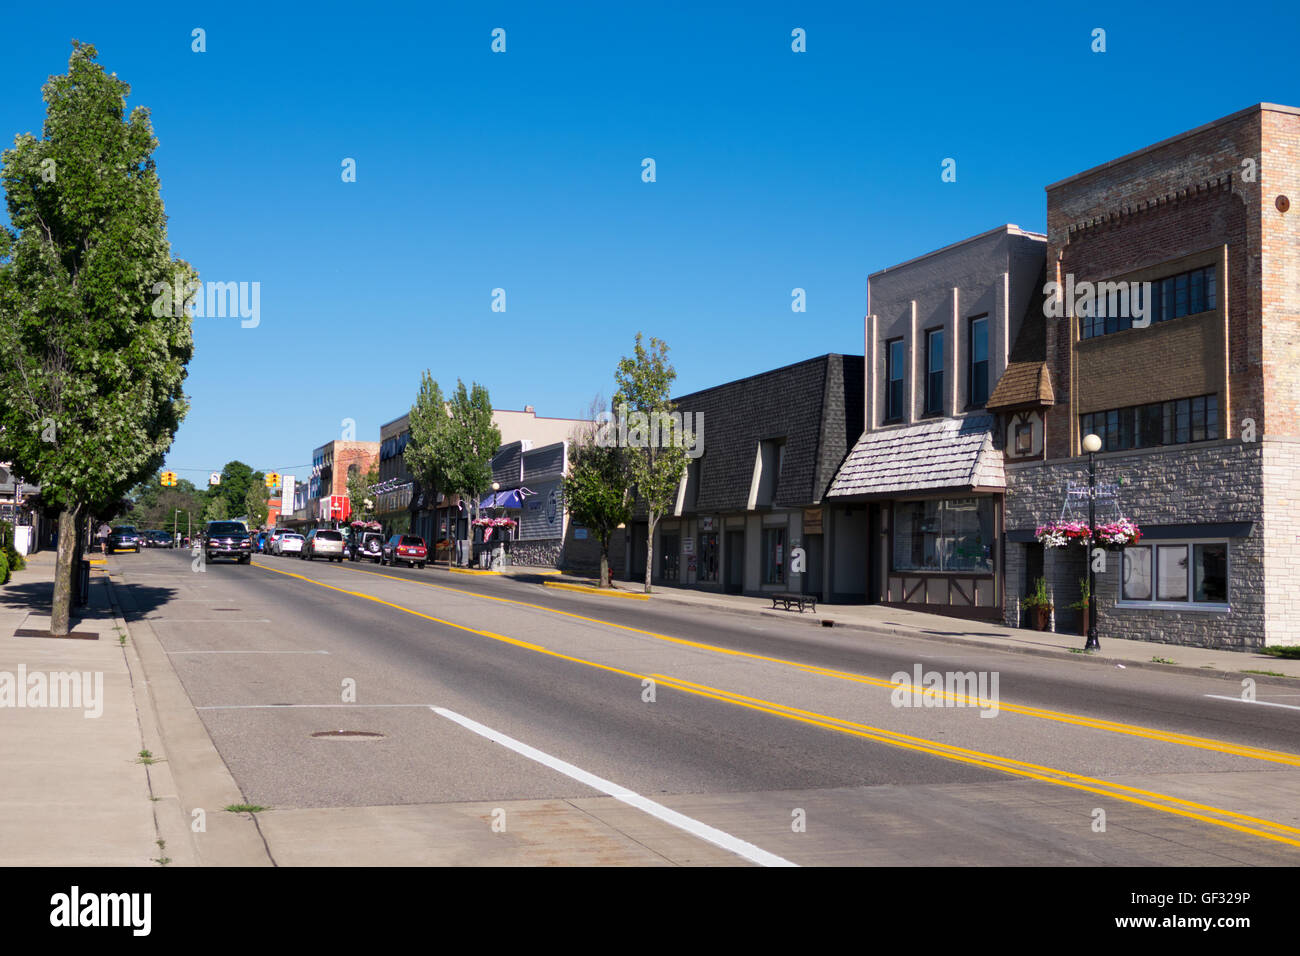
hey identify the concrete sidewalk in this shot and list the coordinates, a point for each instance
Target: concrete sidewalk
(882, 621)
(74, 791)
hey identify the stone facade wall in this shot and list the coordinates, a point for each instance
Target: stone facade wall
(1217, 482)
(544, 553)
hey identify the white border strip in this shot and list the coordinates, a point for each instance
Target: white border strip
(659, 811)
(1262, 703)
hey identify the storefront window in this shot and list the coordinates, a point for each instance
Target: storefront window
(670, 545)
(774, 555)
(708, 557)
(1183, 573)
(945, 534)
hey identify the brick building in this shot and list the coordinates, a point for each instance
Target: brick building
(1190, 382)
(332, 465)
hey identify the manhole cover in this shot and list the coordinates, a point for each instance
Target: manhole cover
(348, 734)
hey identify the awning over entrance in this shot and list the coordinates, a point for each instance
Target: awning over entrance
(956, 453)
(502, 499)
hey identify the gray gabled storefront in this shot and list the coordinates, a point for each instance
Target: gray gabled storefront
(772, 444)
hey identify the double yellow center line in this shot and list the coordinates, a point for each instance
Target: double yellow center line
(1243, 823)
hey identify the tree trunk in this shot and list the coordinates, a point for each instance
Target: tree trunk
(604, 566)
(650, 549)
(61, 612)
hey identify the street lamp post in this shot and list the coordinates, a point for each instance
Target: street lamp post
(1092, 445)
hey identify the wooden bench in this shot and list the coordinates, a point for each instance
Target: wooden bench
(789, 598)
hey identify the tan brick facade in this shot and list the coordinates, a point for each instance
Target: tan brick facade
(1209, 196)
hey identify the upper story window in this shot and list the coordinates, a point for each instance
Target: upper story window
(978, 388)
(894, 367)
(934, 371)
(1161, 423)
(1172, 297)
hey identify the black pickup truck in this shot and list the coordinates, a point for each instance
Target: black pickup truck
(227, 539)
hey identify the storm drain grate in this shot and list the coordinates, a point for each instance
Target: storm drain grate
(350, 734)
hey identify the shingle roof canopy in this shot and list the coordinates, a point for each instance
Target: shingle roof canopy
(928, 456)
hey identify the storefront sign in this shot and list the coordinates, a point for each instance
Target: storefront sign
(688, 546)
(812, 521)
(1078, 490)
(706, 524)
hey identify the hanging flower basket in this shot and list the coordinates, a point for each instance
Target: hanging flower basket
(1118, 534)
(1114, 534)
(1057, 534)
(495, 522)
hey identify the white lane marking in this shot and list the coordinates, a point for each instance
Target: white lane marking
(658, 810)
(248, 652)
(1262, 703)
(306, 706)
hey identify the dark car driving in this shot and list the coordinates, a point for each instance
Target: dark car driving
(227, 539)
(123, 538)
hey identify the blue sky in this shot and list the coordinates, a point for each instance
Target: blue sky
(522, 171)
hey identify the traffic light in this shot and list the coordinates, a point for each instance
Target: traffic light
(272, 480)
(169, 478)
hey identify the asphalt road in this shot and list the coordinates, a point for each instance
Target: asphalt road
(517, 723)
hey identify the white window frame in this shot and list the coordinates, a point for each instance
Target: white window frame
(1189, 604)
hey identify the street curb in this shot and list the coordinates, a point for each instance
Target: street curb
(169, 817)
(603, 592)
(198, 776)
(468, 571)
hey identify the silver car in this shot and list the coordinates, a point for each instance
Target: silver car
(323, 543)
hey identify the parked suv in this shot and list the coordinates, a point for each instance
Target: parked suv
(323, 543)
(404, 549)
(368, 546)
(123, 538)
(227, 539)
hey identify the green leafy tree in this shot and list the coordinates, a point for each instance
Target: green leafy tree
(236, 479)
(655, 461)
(255, 504)
(216, 510)
(360, 496)
(92, 356)
(597, 489)
(451, 450)
(155, 506)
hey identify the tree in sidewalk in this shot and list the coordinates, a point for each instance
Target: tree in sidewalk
(453, 441)
(597, 488)
(360, 497)
(255, 504)
(91, 367)
(656, 459)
